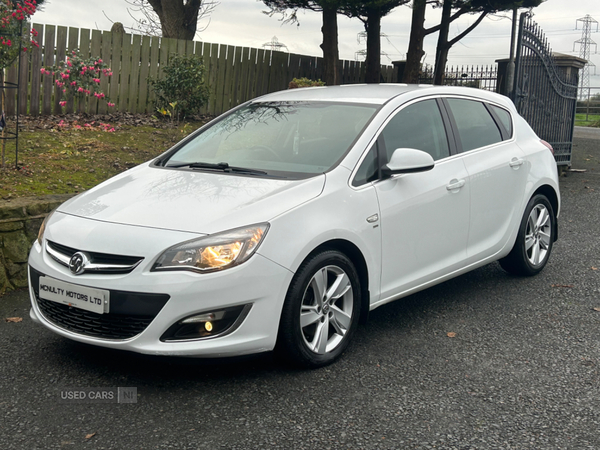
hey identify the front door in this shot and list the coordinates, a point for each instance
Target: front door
(424, 216)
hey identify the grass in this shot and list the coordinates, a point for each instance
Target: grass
(593, 120)
(69, 157)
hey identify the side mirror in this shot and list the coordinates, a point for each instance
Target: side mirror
(408, 160)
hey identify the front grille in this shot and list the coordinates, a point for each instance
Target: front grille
(100, 263)
(106, 326)
(130, 313)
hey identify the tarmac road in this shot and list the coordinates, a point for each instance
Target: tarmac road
(522, 372)
(587, 133)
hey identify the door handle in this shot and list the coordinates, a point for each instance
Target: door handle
(455, 184)
(516, 162)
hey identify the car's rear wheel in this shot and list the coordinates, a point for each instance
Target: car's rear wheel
(535, 239)
(321, 310)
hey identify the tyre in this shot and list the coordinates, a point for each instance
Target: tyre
(321, 311)
(535, 239)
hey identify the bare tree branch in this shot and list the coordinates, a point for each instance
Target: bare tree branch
(150, 16)
(468, 30)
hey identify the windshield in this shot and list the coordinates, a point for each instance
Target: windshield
(277, 137)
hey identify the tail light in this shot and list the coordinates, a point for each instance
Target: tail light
(548, 146)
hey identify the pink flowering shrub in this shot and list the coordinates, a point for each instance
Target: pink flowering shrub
(12, 15)
(92, 126)
(77, 77)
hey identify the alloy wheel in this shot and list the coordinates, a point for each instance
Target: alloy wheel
(326, 309)
(538, 235)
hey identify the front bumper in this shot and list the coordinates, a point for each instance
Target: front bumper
(258, 282)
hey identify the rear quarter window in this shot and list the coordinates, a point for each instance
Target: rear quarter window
(504, 118)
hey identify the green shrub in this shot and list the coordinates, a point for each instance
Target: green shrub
(304, 82)
(182, 85)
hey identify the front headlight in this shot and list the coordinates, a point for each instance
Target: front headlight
(42, 229)
(215, 252)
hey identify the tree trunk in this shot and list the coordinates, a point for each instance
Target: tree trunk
(330, 46)
(415, 44)
(441, 53)
(178, 18)
(440, 65)
(373, 61)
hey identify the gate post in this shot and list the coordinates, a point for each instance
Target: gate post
(569, 65)
(502, 82)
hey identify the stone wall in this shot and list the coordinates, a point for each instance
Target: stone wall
(20, 221)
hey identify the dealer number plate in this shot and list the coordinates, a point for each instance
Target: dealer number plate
(82, 297)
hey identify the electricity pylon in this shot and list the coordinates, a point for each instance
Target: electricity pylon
(362, 54)
(275, 45)
(585, 46)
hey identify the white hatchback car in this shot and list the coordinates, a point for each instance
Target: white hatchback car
(280, 224)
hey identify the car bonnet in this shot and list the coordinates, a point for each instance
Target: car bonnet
(192, 201)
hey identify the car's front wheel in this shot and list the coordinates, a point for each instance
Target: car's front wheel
(535, 239)
(321, 310)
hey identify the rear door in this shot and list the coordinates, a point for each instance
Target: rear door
(497, 171)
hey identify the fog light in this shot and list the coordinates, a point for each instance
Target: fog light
(202, 318)
(208, 324)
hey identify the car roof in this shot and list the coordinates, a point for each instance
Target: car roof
(377, 94)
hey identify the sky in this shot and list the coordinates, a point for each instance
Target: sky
(243, 23)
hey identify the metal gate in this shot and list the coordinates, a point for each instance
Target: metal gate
(544, 95)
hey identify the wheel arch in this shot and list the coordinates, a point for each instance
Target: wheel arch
(549, 192)
(353, 252)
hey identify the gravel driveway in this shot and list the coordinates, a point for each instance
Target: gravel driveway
(522, 372)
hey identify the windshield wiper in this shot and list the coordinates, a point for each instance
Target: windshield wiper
(201, 165)
(222, 166)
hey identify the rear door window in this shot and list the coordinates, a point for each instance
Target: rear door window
(476, 127)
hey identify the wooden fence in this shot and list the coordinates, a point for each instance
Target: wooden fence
(233, 74)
